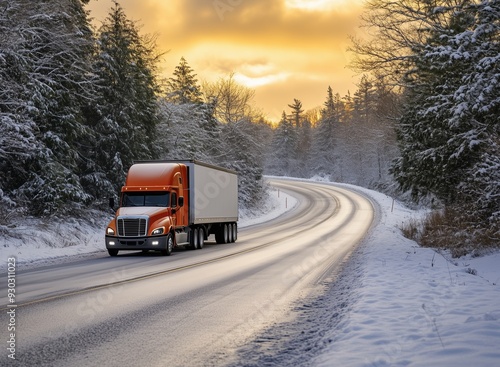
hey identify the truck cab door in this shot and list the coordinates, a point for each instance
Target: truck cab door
(182, 210)
(175, 207)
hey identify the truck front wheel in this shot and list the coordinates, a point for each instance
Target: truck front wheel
(112, 252)
(170, 246)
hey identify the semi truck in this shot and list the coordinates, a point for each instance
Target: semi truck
(165, 204)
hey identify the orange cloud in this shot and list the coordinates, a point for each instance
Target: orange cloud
(284, 49)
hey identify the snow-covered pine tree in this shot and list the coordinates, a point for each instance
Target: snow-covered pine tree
(442, 135)
(282, 159)
(183, 86)
(127, 112)
(186, 131)
(324, 157)
(477, 105)
(18, 140)
(303, 132)
(55, 41)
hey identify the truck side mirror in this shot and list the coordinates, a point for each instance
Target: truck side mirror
(112, 203)
(181, 201)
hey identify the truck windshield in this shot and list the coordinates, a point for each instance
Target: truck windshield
(143, 199)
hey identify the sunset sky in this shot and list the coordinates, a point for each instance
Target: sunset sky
(283, 49)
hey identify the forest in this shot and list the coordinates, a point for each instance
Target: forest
(79, 105)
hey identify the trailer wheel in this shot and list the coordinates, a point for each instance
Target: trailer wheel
(234, 229)
(229, 233)
(170, 246)
(226, 233)
(201, 238)
(112, 252)
(219, 236)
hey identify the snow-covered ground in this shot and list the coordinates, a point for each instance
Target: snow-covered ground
(414, 306)
(394, 304)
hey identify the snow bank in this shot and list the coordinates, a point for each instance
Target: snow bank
(37, 241)
(277, 203)
(414, 306)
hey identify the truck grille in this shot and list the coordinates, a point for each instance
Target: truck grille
(132, 227)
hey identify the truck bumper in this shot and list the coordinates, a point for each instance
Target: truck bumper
(156, 243)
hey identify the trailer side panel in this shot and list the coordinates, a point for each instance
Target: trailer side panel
(214, 195)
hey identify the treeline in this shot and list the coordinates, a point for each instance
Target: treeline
(78, 107)
(349, 139)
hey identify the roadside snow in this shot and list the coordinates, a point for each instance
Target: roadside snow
(415, 306)
(35, 242)
(278, 203)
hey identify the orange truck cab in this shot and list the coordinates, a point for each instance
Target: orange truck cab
(165, 204)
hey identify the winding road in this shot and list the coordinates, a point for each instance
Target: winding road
(194, 308)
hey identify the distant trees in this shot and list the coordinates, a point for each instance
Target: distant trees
(282, 158)
(349, 139)
(324, 156)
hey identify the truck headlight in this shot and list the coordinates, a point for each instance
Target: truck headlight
(157, 231)
(110, 231)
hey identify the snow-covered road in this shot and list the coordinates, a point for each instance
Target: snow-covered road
(194, 308)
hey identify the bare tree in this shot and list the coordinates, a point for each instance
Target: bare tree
(232, 100)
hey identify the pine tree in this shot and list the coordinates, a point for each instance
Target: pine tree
(329, 105)
(434, 158)
(183, 87)
(449, 129)
(18, 132)
(127, 114)
(480, 98)
(283, 152)
(55, 43)
(324, 155)
(297, 111)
